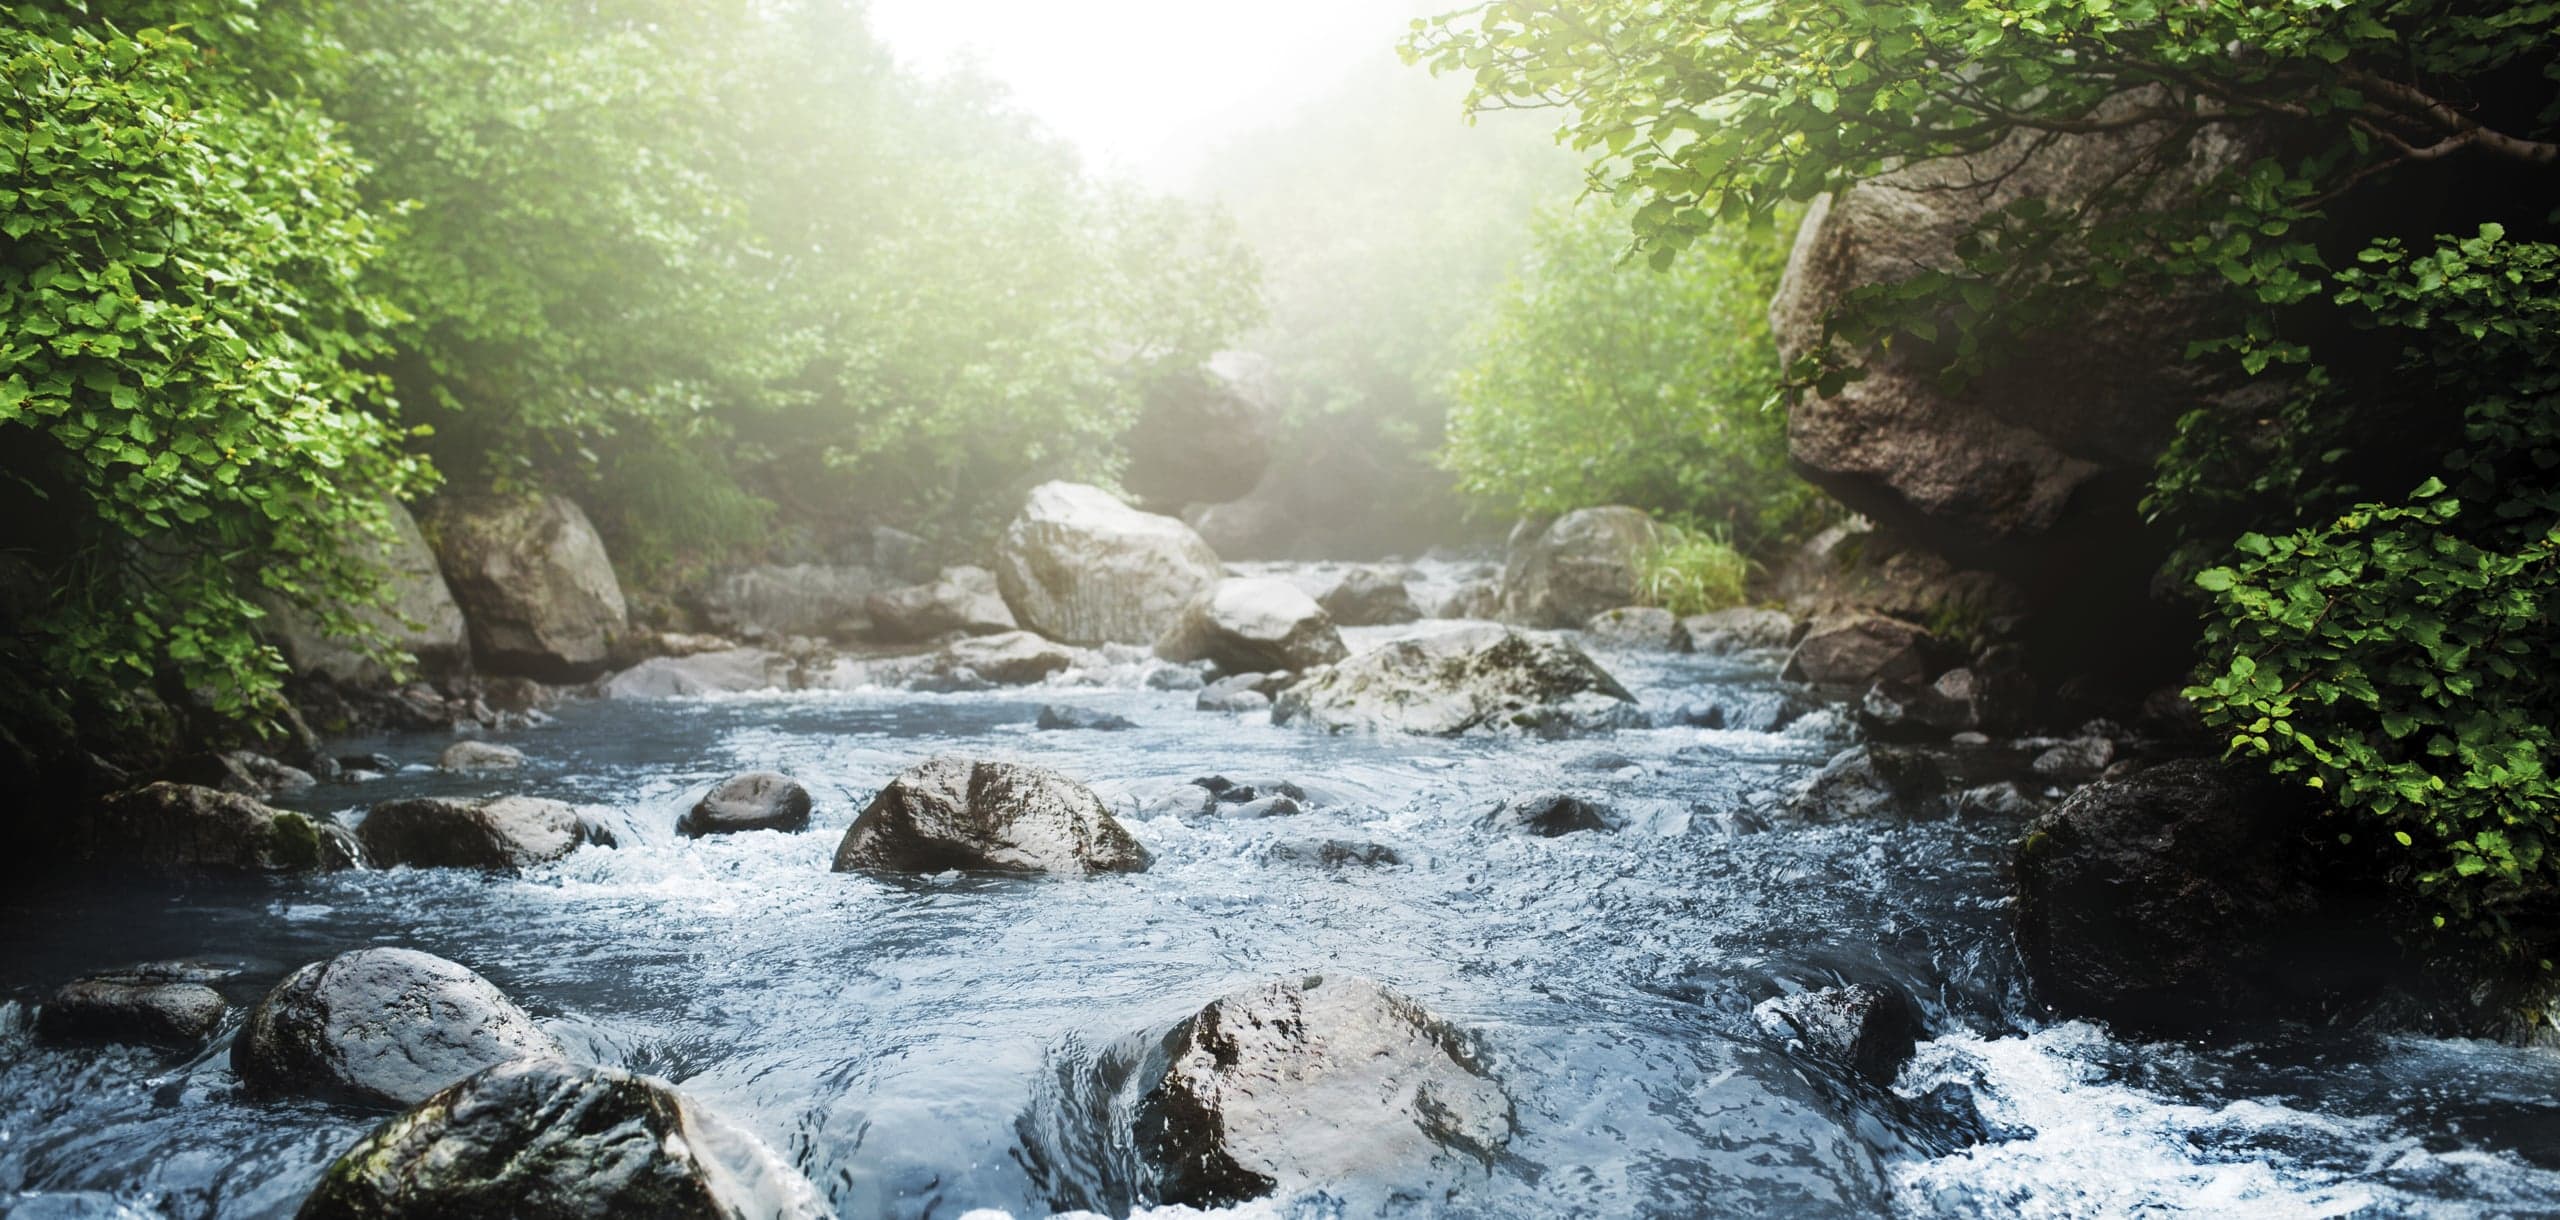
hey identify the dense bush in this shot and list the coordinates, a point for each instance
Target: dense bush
(1690, 571)
(1598, 382)
(2383, 643)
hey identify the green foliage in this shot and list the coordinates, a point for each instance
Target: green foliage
(2398, 655)
(1596, 382)
(184, 332)
(1691, 572)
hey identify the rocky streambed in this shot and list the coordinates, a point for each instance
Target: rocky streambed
(1647, 933)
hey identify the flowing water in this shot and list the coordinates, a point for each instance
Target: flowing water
(907, 1043)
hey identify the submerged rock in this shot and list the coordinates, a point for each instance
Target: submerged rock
(163, 1004)
(1332, 853)
(500, 834)
(1549, 814)
(950, 812)
(1584, 563)
(1370, 597)
(1081, 567)
(1253, 624)
(1067, 717)
(1240, 693)
(480, 758)
(540, 1139)
(2190, 894)
(380, 1027)
(757, 800)
(1314, 1082)
(1218, 794)
(1474, 679)
(1867, 1029)
(533, 581)
(176, 830)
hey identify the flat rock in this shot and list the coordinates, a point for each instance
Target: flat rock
(381, 1026)
(151, 1005)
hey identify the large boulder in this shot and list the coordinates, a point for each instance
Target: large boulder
(1320, 1082)
(178, 830)
(1253, 624)
(163, 1004)
(960, 813)
(418, 616)
(721, 671)
(757, 800)
(2188, 894)
(1081, 567)
(1860, 650)
(1584, 563)
(539, 1139)
(963, 601)
(771, 603)
(501, 834)
(1486, 679)
(1199, 439)
(385, 1027)
(533, 580)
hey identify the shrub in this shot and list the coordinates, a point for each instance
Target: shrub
(1691, 571)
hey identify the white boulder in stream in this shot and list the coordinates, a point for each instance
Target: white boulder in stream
(385, 1027)
(1319, 1082)
(1485, 679)
(1081, 567)
(961, 813)
(1254, 624)
(546, 1140)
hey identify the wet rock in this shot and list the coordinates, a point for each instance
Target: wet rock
(964, 601)
(1175, 678)
(419, 618)
(757, 800)
(1258, 624)
(960, 813)
(1860, 650)
(1241, 693)
(724, 671)
(533, 581)
(1370, 597)
(1549, 814)
(480, 758)
(501, 834)
(1081, 567)
(1332, 853)
(772, 603)
(1217, 794)
(540, 1139)
(2076, 761)
(163, 1004)
(1873, 781)
(1470, 680)
(380, 1026)
(1607, 761)
(245, 772)
(1273, 806)
(1059, 717)
(1584, 563)
(1739, 629)
(1013, 658)
(178, 830)
(1644, 627)
(1868, 1029)
(2004, 801)
(1479, 598)
(2190, 894)
(1315, 1082)
(379, 764)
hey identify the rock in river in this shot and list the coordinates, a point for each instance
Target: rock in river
(1315, 1082)
(480, 758)
(499, 834)
(540, 1139)
(1370, 597)
(175, 830)
(1253, 624)
(962, 813)
(1485, 679)
(1859, 650)
(757, 800)
(963, 601)
(1866, 1028)
(1549, 814)
(382, 1027)
(165, 1004)
(1080, 567)
(1584, 563)
(533, 581)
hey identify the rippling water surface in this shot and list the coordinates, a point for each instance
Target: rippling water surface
(906, 1044)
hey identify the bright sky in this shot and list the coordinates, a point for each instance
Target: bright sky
(1143, 86)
